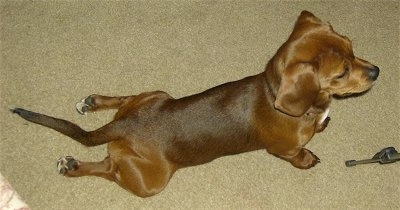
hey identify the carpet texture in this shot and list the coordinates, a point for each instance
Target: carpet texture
(55, 53)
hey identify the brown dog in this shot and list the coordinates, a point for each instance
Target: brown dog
(280, 109)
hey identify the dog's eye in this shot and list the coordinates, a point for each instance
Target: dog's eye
(344, 73)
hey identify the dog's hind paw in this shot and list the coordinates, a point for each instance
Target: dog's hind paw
(65, 164)
(83, 106)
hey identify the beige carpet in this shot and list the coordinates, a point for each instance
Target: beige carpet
(54, 54)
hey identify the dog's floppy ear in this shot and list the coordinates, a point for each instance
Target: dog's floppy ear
(306, 16)
(298, 89)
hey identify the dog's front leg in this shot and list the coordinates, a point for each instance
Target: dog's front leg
(300, 158)
(305, 159)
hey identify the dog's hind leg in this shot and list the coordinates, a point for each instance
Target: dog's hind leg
(143, 169)
(143, 177)
(97, 102)
(70, 167)
(139, 176)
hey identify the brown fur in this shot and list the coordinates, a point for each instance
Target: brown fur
(280, 109)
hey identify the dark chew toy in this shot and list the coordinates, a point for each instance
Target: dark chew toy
(387, 155)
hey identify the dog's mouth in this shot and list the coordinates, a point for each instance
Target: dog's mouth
(349, 95)
(352, 93)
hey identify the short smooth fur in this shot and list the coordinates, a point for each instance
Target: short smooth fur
(279, 110)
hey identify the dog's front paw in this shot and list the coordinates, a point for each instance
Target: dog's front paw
(65, 164)
(84, 106)
(305, 159)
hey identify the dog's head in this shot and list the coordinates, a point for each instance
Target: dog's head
(314, 64)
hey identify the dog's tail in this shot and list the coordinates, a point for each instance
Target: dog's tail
(91, 138)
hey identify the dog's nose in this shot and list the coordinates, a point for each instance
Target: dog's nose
(373, 73)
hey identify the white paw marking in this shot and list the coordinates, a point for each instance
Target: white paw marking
(62, 164)
(80, 106)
